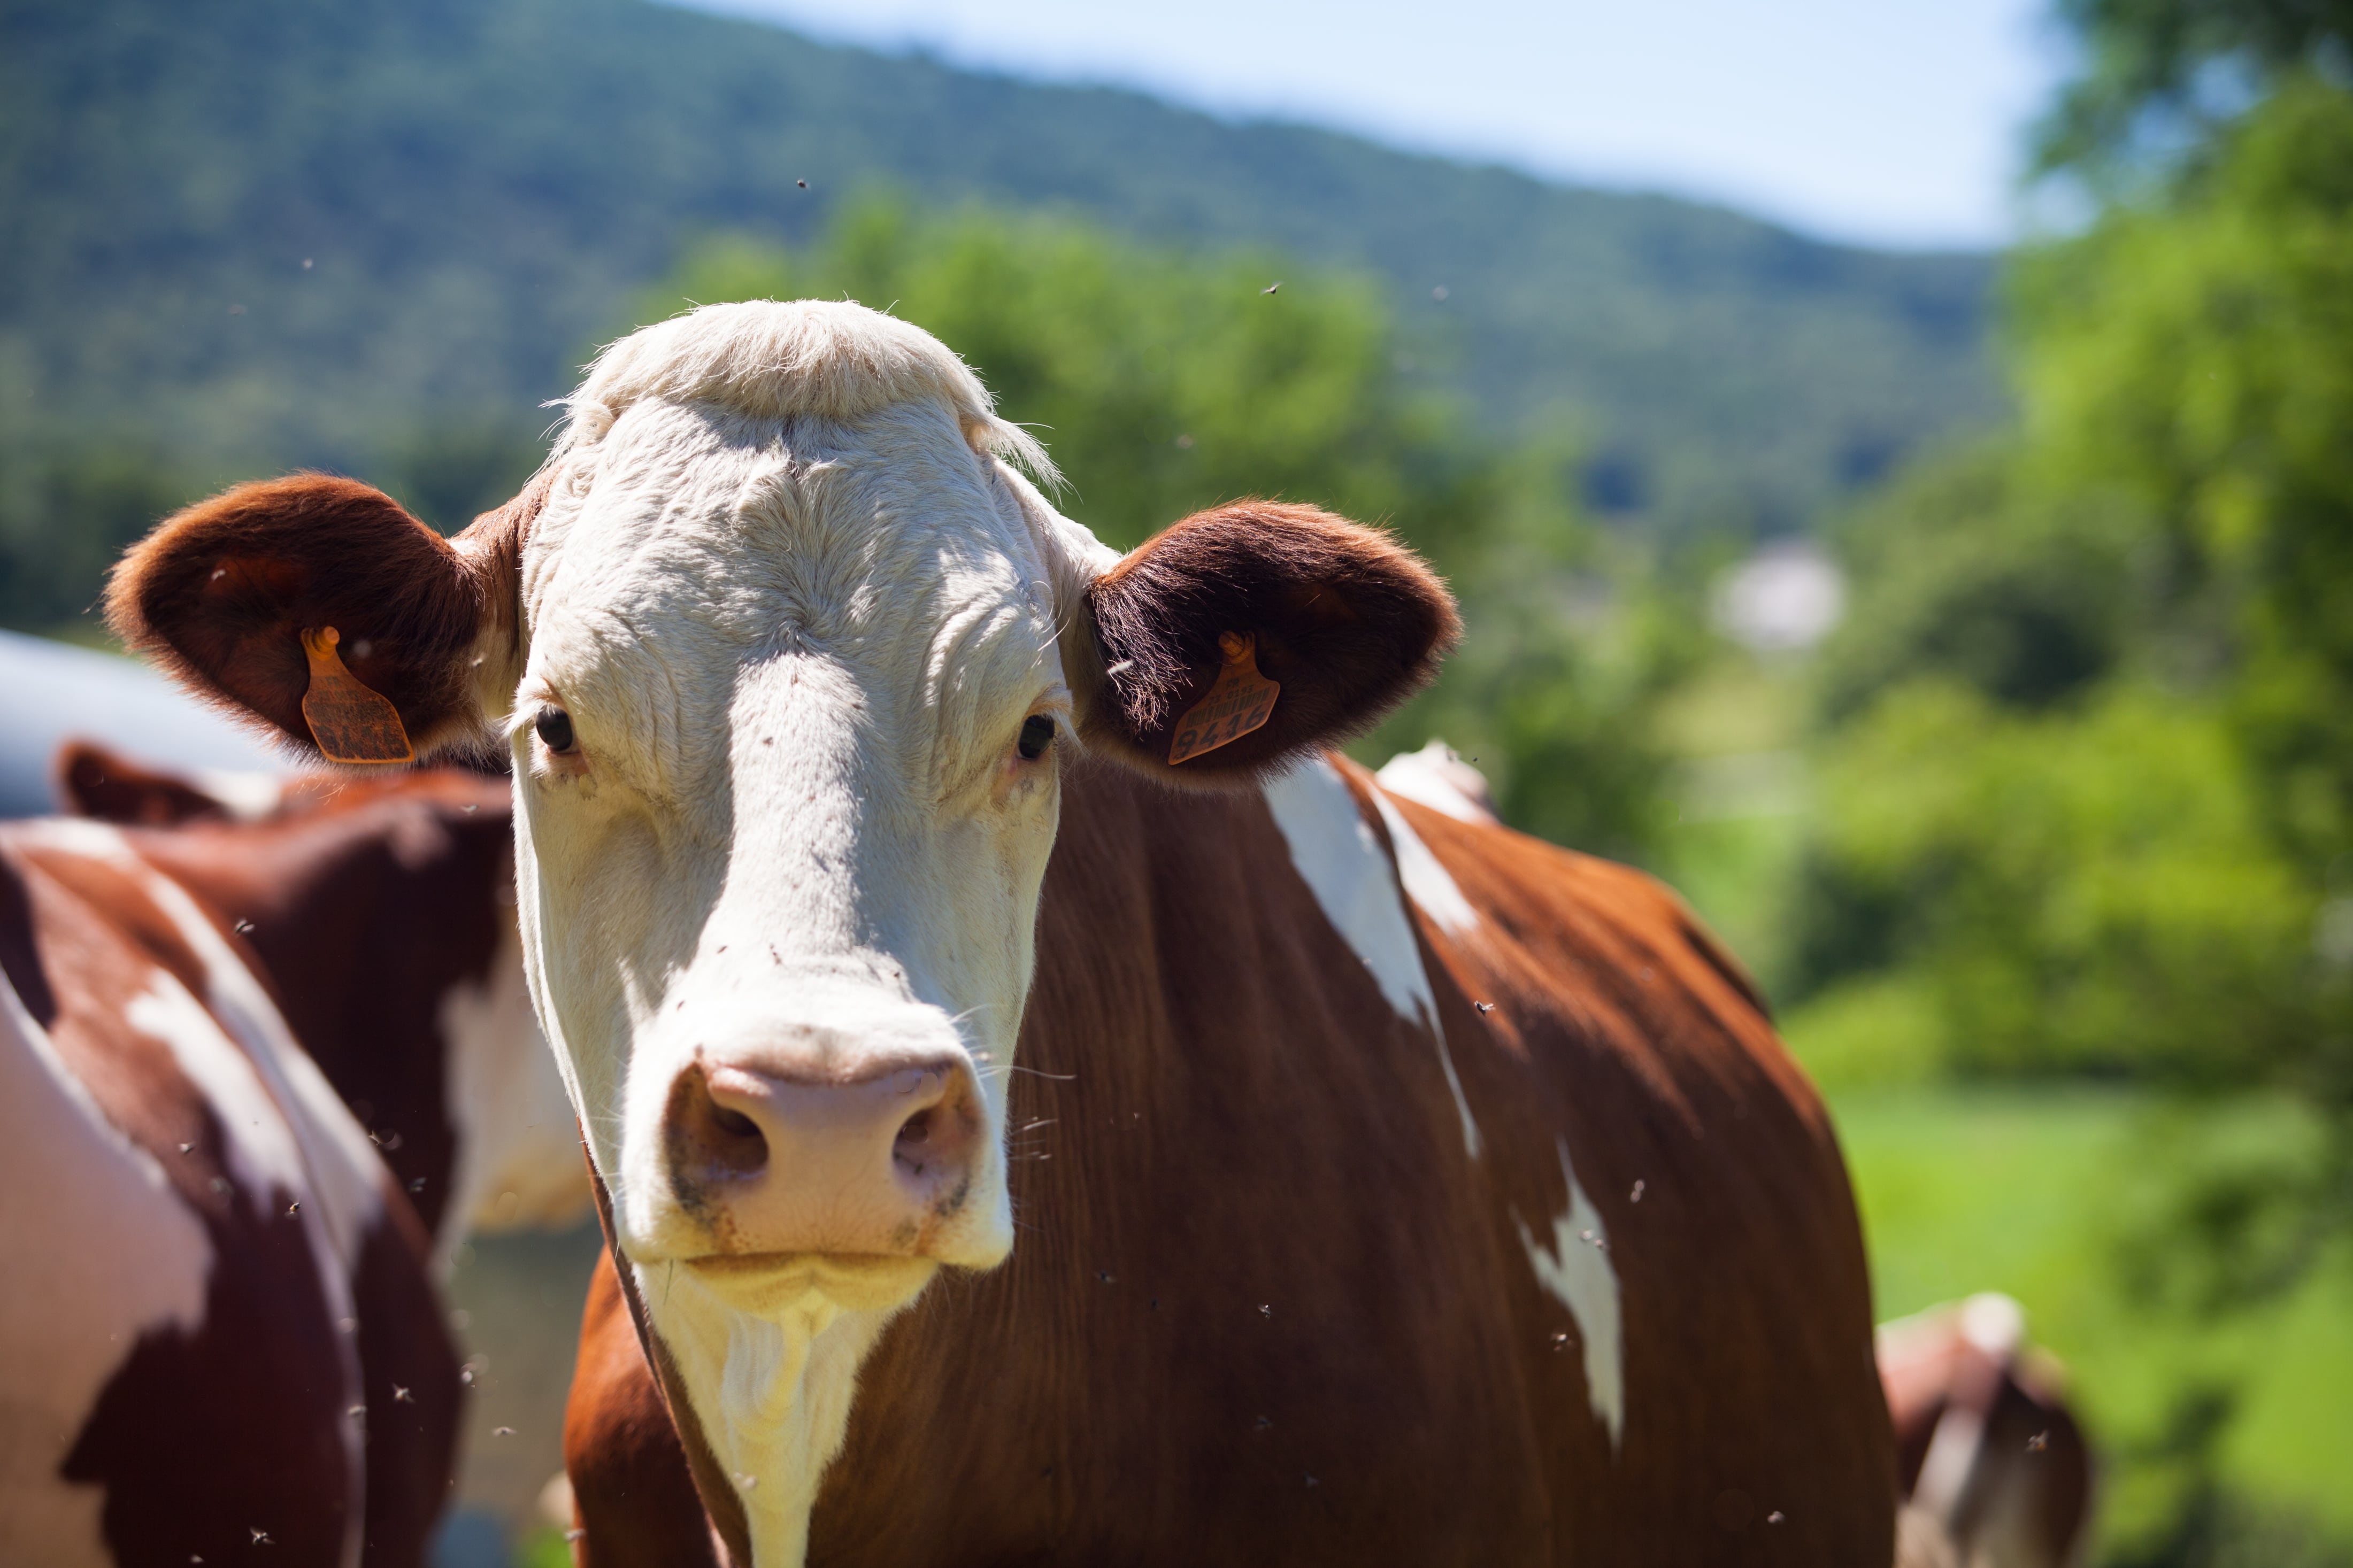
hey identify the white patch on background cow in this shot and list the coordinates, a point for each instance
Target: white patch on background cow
(246, 797)
(263, 1157)
(113, 1254)
(1339, 857)
(1437, 776)
(1576, 1270)
(1995, 1325)
(518, 1146)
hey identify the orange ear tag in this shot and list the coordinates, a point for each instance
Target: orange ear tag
(1241, 700)
(351, 722)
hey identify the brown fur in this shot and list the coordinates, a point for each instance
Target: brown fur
(369, 900)
(206, 1432)
(220, 593)
(1346, 620)
(93, 782)
(1264, 1309)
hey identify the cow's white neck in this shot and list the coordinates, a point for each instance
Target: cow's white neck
(771, 1369)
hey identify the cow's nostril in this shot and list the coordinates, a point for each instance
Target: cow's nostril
(914, 1133)
(732, 1142)
(708, 1141)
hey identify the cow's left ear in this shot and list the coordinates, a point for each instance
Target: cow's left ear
(223, 594)
(1189, 629)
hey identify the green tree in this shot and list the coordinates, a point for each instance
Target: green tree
(2162, 79)
(2137, 603)
(1163, 382)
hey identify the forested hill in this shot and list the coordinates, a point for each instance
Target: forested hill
(273, 231)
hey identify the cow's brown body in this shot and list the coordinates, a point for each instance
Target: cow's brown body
(1264, 1308)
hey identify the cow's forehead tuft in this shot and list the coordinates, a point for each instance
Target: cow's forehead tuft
(776, 360)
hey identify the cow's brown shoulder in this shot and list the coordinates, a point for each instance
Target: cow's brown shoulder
(1593, 1016)
(635, 1504)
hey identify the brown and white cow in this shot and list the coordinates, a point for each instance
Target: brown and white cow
(1391, 1186)
(220, 1327)
(372, 920)
(383, 912)
(1987, 1446)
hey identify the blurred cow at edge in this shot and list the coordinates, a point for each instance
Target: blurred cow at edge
(383, 908)
(1986, 1446)
(262, 1073)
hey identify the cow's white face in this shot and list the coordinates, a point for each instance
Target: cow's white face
(790, 663)
(783, 855)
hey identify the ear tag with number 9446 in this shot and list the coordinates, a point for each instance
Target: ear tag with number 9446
(1237, 702)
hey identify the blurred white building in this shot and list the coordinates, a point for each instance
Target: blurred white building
(1786, 598)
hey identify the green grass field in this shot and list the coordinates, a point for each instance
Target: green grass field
(2031, 1191)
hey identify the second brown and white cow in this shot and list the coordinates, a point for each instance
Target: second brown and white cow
(220, 1330)
(382, 910)
(259, 1033)
(1987, 1444)
(1477, 1155)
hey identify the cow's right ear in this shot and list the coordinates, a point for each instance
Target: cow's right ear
(221, 594)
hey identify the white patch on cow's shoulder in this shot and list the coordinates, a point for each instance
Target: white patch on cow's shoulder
(1339, 857)
(1427, 883)
(1575, 1268)
(1437, 778)
(106, 1253)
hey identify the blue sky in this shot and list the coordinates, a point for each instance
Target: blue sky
(1892, 122)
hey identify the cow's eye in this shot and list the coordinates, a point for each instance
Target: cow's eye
(554, 727)
(1037, 734)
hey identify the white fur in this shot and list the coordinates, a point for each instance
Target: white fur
(1995, 1325)
(246, 797)
(1428, 884)
(518, 1146)
(771, 1368)
(768, 362)
(797, 610)
(1337, 854)
(118, 1255)
(1437, 776)
(1575, 1268)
